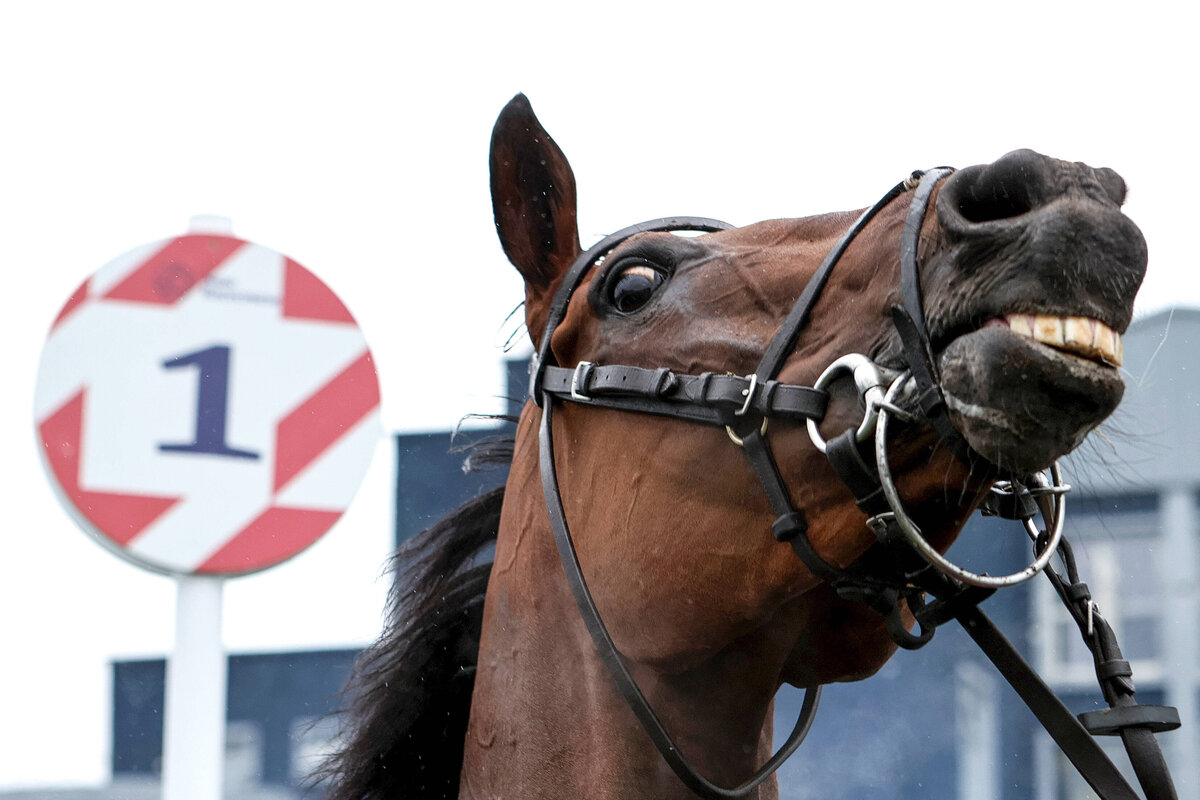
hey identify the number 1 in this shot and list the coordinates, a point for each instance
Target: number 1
(212, 403)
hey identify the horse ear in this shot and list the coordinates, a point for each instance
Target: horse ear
(533, 200)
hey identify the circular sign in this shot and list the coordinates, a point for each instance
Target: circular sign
(206, 406)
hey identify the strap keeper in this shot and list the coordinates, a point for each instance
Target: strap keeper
(789, 526)
(1113, 668)
(768, 395)
(664, 381)
(1078, 591)
(1111, 721)
(931, 401)
(946, 608)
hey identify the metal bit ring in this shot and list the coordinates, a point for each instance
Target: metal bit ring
(912, 533)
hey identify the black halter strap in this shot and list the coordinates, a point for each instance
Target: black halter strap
(611, 657)
(708, 398)
(911, 326)
(784, 341)
(742, 405)
(790, 524)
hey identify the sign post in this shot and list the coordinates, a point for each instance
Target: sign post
(207, 408)
(194, 723)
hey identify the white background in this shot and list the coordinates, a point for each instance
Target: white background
(353, 137)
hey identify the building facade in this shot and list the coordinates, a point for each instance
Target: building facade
(936, 723)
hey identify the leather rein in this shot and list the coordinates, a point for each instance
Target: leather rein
(744, 405)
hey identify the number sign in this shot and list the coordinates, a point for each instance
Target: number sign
(206, 406)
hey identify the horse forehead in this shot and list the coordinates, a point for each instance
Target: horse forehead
(729, 291)
(772, 255)
(788, 233)
(778, 249)
(763, 258)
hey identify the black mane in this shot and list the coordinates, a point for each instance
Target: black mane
(410, 694)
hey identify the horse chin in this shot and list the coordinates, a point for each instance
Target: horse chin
(1022, 404)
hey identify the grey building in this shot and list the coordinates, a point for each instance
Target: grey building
(938, 723)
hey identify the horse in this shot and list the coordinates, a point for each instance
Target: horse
(996, 294)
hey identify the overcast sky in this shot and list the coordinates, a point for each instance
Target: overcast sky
(355, 141)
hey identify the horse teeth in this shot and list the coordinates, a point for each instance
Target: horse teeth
(1079, 335)
(1078, 332)
(1021, 324)
(1049, 330)
(1106, 343)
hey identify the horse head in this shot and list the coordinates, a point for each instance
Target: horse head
(1028, 270)
(1003, 288)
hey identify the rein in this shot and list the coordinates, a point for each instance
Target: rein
(744, 406)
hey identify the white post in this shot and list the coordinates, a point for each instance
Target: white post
(194, 724)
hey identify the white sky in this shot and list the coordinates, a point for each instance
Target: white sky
(355, 141)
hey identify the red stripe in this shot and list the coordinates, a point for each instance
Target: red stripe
(119, 517)
(324, 418)
(73, 302)
(305, 297)
(176, 269)
(277, 534)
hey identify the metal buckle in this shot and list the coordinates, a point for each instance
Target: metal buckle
(879, 524)
(749, 393)
(579, 376)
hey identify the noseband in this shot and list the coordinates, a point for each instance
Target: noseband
(744, 406)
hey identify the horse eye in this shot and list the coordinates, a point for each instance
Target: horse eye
(634, 287)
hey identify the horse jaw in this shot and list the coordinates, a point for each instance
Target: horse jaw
(995, 386)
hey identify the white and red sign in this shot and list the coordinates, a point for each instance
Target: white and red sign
(206, 406)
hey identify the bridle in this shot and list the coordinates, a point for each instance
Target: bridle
(745, 405)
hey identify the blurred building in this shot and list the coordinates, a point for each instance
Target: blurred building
(936, 723)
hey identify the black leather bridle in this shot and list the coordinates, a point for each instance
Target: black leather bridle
(743, 405)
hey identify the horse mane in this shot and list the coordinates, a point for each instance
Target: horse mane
(409, 697)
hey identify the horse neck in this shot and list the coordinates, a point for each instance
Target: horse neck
(546, 717)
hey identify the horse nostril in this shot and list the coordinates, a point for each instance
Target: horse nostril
(999, 201)
(1008, 188)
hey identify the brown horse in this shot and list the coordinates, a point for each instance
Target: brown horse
(1028, 271)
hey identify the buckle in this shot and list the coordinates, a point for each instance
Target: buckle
(749, 394)
(579, 380)
(880, 523)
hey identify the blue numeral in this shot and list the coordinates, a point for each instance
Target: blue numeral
(212, 403)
